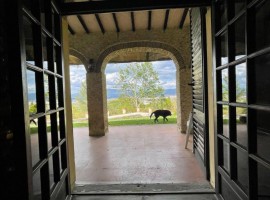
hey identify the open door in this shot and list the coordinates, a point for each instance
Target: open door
(35, 156)
(199, 87)
(241, 37)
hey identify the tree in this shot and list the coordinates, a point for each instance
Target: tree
(79, 107)
(139, 81)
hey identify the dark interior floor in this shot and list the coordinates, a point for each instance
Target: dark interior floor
(148, 197)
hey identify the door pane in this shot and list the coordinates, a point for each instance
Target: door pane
(224, 55)
(32, 92)
(222, 12)
(226, 156)
(34, 138)
(37, 186)
(263, 134)
(239, 5)
(56, 93)
(225, 117)
(241, 83)
(263, 182)
(242, 170)
(225, 85)
(51, 171)
(240, 39)
(44, 51)
(47, 94)
(49, 135)
(261, 84)
(29, 41)
(262, 25)
(241, 126)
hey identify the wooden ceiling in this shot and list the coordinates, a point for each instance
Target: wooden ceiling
(160, 19)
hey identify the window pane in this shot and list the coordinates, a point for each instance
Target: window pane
(226, 156)
(225, 117)
(225, 85)
(242, 170)
(239, 46)
(224, 51)
(263, 134)
(37, 186)
(46, 89)
(261, 84)
(29, 41)
(241, 126)
(32, 97)
(262, 25)
(263, 183)
(241, 83)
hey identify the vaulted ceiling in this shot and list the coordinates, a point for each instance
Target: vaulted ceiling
(160, 19)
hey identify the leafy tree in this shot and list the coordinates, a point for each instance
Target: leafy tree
(139, 81)
(32, 108)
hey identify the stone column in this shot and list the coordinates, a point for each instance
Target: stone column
(97, 109)
(185, 97)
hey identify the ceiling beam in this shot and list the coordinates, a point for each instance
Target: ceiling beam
(166, 19)
(182, 21)
(83, 24)
(133, 21)
(116, 22)
(71, 30)
(90, 7)
(149, 19)
(100, 23)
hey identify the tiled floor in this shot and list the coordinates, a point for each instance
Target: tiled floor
(135, 154)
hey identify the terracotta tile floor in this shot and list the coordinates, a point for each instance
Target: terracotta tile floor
(135, 154)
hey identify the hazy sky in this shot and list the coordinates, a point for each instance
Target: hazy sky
(165, 69)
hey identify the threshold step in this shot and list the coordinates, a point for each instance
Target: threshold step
(147, 197)
(157, 188)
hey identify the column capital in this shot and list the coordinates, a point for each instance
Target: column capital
(91, 67)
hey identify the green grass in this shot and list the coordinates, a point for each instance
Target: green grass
(127, 121)
(139, 121)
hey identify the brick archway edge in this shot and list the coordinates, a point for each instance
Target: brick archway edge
(141, 46)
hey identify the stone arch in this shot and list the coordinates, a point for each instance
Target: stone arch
(96, 79)
(140, 46)
(80, 56)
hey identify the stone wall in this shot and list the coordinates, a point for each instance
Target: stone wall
(92, 45)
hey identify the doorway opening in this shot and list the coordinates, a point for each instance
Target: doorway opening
(106, 158)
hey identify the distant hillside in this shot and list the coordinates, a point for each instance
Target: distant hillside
(114, 93)
(111, 94)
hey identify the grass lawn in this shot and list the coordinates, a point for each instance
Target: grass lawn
(140, 121)
(119, 122)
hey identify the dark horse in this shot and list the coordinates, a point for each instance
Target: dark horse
(163, 113)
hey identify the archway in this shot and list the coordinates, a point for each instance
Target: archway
(96, 82)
